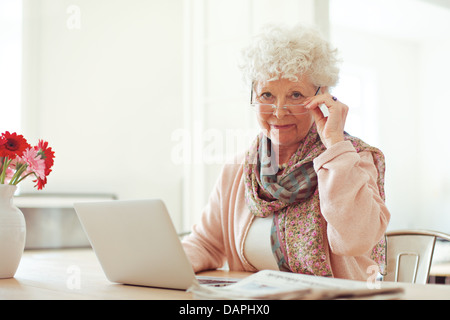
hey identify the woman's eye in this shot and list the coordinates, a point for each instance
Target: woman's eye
(297, 95)
(266, 96)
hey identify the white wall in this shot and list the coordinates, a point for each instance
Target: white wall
(103, 84)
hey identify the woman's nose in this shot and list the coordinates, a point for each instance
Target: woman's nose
(280, 110)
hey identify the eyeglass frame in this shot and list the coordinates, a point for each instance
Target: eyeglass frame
(272, 104)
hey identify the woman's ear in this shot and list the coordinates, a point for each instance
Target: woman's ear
(323, 90)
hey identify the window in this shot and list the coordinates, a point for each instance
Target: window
(357, 88)
(394, 79)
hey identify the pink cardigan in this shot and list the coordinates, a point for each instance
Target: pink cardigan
(356, 215)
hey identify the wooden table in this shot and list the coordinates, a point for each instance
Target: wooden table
(77, 275)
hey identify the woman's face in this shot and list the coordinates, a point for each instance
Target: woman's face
(282, 127)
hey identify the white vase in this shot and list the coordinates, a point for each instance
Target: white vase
(12, 232)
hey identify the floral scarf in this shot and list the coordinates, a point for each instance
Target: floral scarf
(298, 226)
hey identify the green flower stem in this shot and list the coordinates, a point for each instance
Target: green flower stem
(20, 169)
(22, 178)
(2, 160)
(6, 163)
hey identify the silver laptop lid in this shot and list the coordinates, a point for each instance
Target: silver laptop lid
(136, 243)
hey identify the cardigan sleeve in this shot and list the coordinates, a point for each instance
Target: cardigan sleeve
(356, 215)
(205, 244)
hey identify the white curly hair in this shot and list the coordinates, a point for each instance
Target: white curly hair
(289, 52)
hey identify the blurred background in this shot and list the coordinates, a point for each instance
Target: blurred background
(143, 98)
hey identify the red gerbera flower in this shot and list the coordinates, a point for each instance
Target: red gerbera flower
(12, 145)
(47, 154)
(40, 183)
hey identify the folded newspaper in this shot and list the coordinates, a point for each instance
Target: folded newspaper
(278, 285)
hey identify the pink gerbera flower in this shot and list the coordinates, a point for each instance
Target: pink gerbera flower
(9, 175)
(35, 162)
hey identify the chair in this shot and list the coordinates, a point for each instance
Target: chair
(409, 254)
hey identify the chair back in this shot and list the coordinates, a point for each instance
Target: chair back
(409, 255)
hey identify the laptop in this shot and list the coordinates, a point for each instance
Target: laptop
(136, 243)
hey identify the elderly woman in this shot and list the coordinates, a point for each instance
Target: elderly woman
(306, 197)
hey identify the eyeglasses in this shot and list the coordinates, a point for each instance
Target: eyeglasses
(266, 108)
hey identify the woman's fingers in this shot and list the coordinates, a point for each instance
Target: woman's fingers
(330, 128)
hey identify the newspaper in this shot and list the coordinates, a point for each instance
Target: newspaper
(278, 285)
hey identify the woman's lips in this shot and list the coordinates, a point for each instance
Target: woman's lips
(282, 127)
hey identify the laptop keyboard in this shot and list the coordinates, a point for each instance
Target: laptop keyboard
(216, 282)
